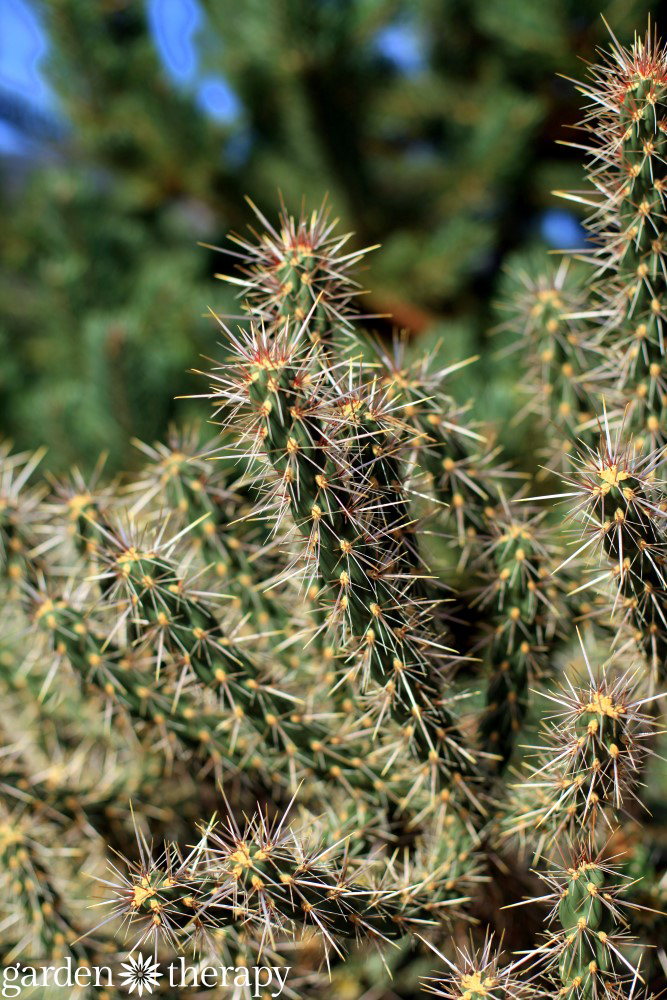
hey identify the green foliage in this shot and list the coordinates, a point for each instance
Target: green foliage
(448, 165)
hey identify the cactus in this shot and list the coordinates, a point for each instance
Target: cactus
(268, 877)
(543, 309)
(526, 615)
(289, 270)
(474, 975)
(625, 136)
(594, 750)
(336, 614)
(588, 941)
(312, 446)
(620, 503)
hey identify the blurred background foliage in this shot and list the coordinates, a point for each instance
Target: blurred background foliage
(130, 130)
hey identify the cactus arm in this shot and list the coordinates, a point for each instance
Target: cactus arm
(355, 567)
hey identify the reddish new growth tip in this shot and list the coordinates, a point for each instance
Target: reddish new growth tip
(620, 67)
(287, 269)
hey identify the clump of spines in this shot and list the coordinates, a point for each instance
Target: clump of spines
(479, 975)
(298, 269)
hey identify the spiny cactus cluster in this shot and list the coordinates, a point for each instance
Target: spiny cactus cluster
(332, 685)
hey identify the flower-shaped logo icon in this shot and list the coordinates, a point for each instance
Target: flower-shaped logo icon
(141, 974)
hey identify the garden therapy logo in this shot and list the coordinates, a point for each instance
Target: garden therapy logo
(141, 975)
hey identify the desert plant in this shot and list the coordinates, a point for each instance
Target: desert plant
(260, 623)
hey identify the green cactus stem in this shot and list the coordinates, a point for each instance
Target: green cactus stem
(622, 506)
(356, 565)
(266, 877)
(588, 947)
(525, 603)
(626, 129)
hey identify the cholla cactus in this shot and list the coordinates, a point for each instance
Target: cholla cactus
(269, 877)
(593, 753)
(588, 947)
(312, 429)
(592, 762)
(295, 268)
(625, 129)
(621, 506)
(526, 613)
(458, 460)
(336, 615)
(543, 310)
